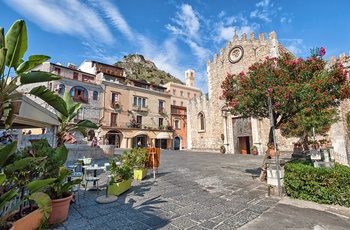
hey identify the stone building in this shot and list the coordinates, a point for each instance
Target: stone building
(82, 88)
(180, 94)
(211, 124)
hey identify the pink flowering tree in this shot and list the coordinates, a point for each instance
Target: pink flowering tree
(298, 88)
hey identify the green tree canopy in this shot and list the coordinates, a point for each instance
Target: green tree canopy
(296, 86)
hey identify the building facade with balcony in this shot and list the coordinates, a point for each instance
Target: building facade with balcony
(133, 110)
(81, 86)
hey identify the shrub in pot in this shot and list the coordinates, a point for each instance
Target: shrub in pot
(140, 158)
(120, 176)
(20, 174)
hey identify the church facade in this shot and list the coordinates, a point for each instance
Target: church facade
(210, 123)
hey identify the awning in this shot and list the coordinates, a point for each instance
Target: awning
(163, 135)
(140, 133)
(33, 115)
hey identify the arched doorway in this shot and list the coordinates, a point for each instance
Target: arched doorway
(114, 138)
(242, 135)
(177, 143)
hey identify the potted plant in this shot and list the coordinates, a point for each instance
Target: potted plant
(60, 188)
(222, 149)
(120, 176)
(323, 143)
(254, 150)
(271, 149)
(60, 191)
(140, 157)
(20, 173)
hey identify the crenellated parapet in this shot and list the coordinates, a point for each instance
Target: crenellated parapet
(238, 55)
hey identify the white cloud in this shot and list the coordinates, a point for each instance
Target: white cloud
(293, 45)
(187, 23)
(117, 19)
(264, 11)
(77, 19)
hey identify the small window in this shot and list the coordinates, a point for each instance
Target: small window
(177, 124)
(58, 71)
(160, 122)
(174, 102)
(115, 98)
(188, 95)
(95, 95)
(174, 91)
(201, 122)
(181, 93)
(75, 75)
(182, 103)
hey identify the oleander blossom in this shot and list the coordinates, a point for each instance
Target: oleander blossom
(321, 52)
(270, 90)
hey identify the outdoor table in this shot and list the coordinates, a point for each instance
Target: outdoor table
(93, 168)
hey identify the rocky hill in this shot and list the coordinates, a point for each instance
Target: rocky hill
(136, 67)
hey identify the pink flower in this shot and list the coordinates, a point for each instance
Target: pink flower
(309, 59)
(270, 90)
(322, 51)
(220, 98)
(277, 103)
(294, 62)
(238, 92)
(242, 72)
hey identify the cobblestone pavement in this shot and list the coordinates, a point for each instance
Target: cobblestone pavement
(192, 190)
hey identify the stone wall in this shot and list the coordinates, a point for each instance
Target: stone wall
(79, 151)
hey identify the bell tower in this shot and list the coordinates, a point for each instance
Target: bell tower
(189, 75)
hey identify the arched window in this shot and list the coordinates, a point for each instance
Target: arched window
(95, 95)
(79, 94)
(61, 89)
(201, 122)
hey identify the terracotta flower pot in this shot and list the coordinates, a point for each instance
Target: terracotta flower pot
(272, 153)
(60, 209)
(30, 221)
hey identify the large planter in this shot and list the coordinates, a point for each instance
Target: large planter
(118, 188)
(60, 208)
(31, 221)
(139, 174)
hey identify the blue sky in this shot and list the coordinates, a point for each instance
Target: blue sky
(176, 35)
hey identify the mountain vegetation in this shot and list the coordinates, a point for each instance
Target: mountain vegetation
(136, 67)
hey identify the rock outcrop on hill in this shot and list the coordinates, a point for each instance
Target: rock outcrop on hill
(136, 67)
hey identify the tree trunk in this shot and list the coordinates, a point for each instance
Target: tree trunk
(263, 173)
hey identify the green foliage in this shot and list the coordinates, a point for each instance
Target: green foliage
(21, 171)
(120, 172)
(136, 158)
(321, 185)
(297, 87)
(13, 47)
(66, 125)
(140, 157)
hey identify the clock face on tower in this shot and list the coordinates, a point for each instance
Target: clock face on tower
(235, 54)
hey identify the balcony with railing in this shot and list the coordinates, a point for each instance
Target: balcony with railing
(116, 106)
(161, 110)
(139, 108)
(80, 99)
